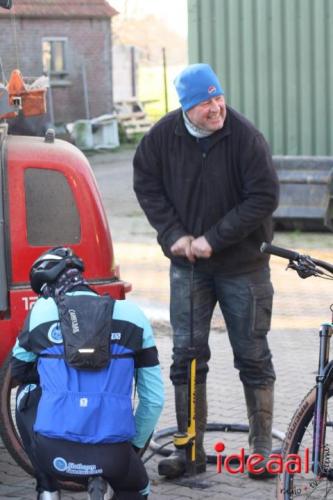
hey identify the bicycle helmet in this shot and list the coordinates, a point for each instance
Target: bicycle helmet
(50, 265)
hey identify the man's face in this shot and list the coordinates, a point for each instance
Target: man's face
(209, 115)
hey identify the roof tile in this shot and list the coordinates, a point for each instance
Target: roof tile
(60, 8)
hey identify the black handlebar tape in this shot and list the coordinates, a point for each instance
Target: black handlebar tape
(324, 265)
(280, 252)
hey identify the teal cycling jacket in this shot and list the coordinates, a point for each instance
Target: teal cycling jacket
(86, 405)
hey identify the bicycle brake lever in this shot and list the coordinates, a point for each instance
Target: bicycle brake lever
(304, 267)
(304, 272)
(292, 265)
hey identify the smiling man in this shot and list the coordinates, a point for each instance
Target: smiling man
(204, 177)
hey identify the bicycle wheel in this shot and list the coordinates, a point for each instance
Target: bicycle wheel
(8, 429)
(299, 438)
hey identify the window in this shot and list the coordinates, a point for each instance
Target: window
(52, 215)
(55, 56)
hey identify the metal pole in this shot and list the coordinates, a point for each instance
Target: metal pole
(133, 71)
(109, 45)
(2, 73)
(50, 100)
(165, 81)
(85, 90)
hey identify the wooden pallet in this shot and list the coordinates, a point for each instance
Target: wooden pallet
(132, 117)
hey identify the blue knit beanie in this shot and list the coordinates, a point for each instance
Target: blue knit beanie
(195, 84)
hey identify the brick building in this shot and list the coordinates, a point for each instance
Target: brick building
(71, 41)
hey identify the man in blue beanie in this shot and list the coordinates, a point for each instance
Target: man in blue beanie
(204, 177)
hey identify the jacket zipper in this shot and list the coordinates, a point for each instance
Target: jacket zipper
(204, 184)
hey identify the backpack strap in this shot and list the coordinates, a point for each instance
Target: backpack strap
(62, 356)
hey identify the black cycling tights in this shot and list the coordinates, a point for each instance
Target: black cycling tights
(55, 459)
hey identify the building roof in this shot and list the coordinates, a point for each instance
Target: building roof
(59, 9)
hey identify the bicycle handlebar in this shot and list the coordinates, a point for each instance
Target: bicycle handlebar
(280, 252)
(294, 256)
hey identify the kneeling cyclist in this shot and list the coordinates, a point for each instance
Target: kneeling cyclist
(74, 410)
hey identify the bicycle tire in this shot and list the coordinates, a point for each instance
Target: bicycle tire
(9, 433)
(298, 436)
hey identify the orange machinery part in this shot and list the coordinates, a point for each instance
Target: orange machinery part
(33, 101)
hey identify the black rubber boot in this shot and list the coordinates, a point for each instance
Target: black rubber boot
(175, 465)
(259, 402)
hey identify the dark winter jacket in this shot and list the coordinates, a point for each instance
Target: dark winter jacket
(223, 187)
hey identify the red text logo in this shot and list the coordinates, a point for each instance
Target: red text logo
(236, 463)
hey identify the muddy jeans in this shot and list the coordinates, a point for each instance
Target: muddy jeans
(246, 304)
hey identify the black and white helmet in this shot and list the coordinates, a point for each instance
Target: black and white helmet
(50, 265)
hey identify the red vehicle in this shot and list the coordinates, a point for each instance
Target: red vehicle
(48, 197)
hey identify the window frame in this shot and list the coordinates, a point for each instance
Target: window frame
(56, 73)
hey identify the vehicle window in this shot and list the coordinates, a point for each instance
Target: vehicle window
(52, 215)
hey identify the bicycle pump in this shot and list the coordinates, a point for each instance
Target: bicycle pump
(187, 440)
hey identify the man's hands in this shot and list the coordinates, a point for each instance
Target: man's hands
(201, 248)
(182, 248)
(192, 248)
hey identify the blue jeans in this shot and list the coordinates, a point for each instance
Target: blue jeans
(246, 304)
